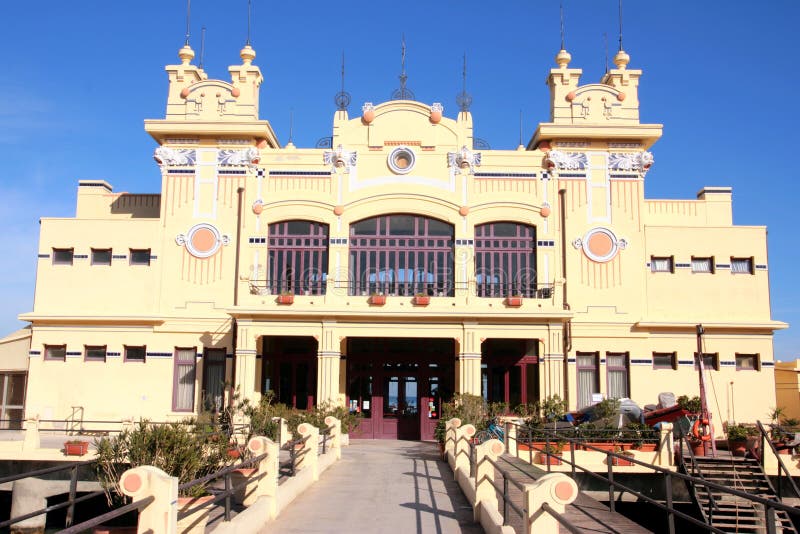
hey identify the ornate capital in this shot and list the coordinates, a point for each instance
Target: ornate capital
(464, 160)
(566, 160)
(165, 155)
(339, 158)
(246, 156)
(630, 161)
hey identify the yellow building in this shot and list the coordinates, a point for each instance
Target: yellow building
(401, 264)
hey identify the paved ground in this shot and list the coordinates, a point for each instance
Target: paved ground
(381, 486)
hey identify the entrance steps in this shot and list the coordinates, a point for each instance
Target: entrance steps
(734, 513)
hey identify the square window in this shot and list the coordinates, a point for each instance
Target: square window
(135, 354)
(662, 264)
(95, 353)
(710, 361)
(742, 265)
(747, 362)
(665, 360)
(702, 265)
(101, 256)
(140, 256)
(62, 256)
(55, 352)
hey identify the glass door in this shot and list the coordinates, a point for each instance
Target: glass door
(401, 406)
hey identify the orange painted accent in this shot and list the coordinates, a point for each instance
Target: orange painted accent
(600, 244)
(399, 143)
(497, 448)
(544, 146)
(254, 444)
(570, 96)
(621, 96)
(563, 491)
(436, 117)
(203, 240)
(258, 209)
(368, 116)
(185, 92)
(338, 210)
(235, 92)
(463, 211)
(545, 211)
(132, 483)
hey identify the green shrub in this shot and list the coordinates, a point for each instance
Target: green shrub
(737, 432)
(692, 405)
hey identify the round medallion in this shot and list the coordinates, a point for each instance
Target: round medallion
(203, 240)
(600, 244)
(401, 160)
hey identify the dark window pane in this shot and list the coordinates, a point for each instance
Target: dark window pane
(140, 256)
(367, 227)
(134, 354)
(96, 353)
(101, 256)
(401, 225)
(62, 256)
(55, 352)
(299, 228)
(15, 396)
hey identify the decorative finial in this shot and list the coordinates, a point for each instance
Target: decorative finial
(464, 99)
(188, 16)
(249, 10)
(202, 45)
(563, 57)
(342, 98)
(247, 54)
(186, 54)
(403, 93)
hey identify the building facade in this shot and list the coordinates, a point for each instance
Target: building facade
(398, 265)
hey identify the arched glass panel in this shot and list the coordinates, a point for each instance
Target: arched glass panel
(505, 260)
(298, 258)
(401, 255)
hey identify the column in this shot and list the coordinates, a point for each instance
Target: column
(328, 359)
(245, 361)
(469, 368)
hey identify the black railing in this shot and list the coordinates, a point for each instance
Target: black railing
(289, 287)
(117, 512)
(69, 504)
(685, 444)
(769, 505)
(530, 290)
(765, 439)
(227, 493)
(441, 288)
(566, 523)
(296, 454)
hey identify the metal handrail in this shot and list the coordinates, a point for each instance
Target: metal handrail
(293, 454)
(781, 466)
(767, 503)
(507, 503)
(712, 502)
(135, 505)
(561, 519)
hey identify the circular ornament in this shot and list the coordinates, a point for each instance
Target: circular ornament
(600, 244)
(401, 160)
(203, 240)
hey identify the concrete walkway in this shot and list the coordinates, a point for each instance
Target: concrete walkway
(381, 486)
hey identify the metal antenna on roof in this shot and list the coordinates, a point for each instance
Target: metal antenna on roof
(202, 45)
(464, 99)
(291, 123)
(620, 25)
(188, 16)
(342, 98)
(605, 45)
(561, 10)
(249, 9)
(520, 127)
(403, 93)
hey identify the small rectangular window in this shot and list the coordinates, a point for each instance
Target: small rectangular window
(55, 352)
(742, 265)
(702, 265)
(617, 374)
(140, 256)
(710, 361)
(135, 354)
(101, 256)
(747, 362)
(95, 353)
(62, 256)
(665, 360)
(662, 264)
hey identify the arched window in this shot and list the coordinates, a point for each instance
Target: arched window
(401, 255)
(298, 257)
(505, 260)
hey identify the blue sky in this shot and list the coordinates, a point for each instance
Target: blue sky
(78, 79)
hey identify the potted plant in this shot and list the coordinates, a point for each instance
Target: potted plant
(175, 449)
(286, 297)
(377, 299)
(617, 460)
(692, 405)
(76, 447)
(514, 301)
(737, 439)
(642, 436)
(421, 299)
(551, 454)
(440, 434)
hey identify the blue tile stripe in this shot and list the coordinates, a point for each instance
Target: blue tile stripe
(547, 243)
(74, 354)
(257, 240)
(641, 362)
(505, 175)
(685, 362)
(119, 256)
(113, 354)
(299, 173)
(465, 242)
(44, 256)
(727, 363)
(159, 355)
(767, 364)
(34, 352)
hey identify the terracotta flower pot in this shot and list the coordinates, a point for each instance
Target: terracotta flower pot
(620, 461)
(544, 459)
(421, 300)
(76, 448)
(377, 300)
(285, 299)
(737, 447)
(194, 523)
(647, 447)
(513, 302)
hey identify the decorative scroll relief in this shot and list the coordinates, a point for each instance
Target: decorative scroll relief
(247, 156)
(630, 161)
(340, 158)
(600, 244)
(165, 155)
(566, 160)
(464, 160)
(202, 240)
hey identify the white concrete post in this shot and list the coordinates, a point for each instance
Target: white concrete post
(665, 455)
(450, 438)
(485, 493)
(511, 438)
(555, 489)
(161, 515)
(267, 486)
(335, 426)
(283, 431)
(308, 456)
(32, 440)
(464, 435)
